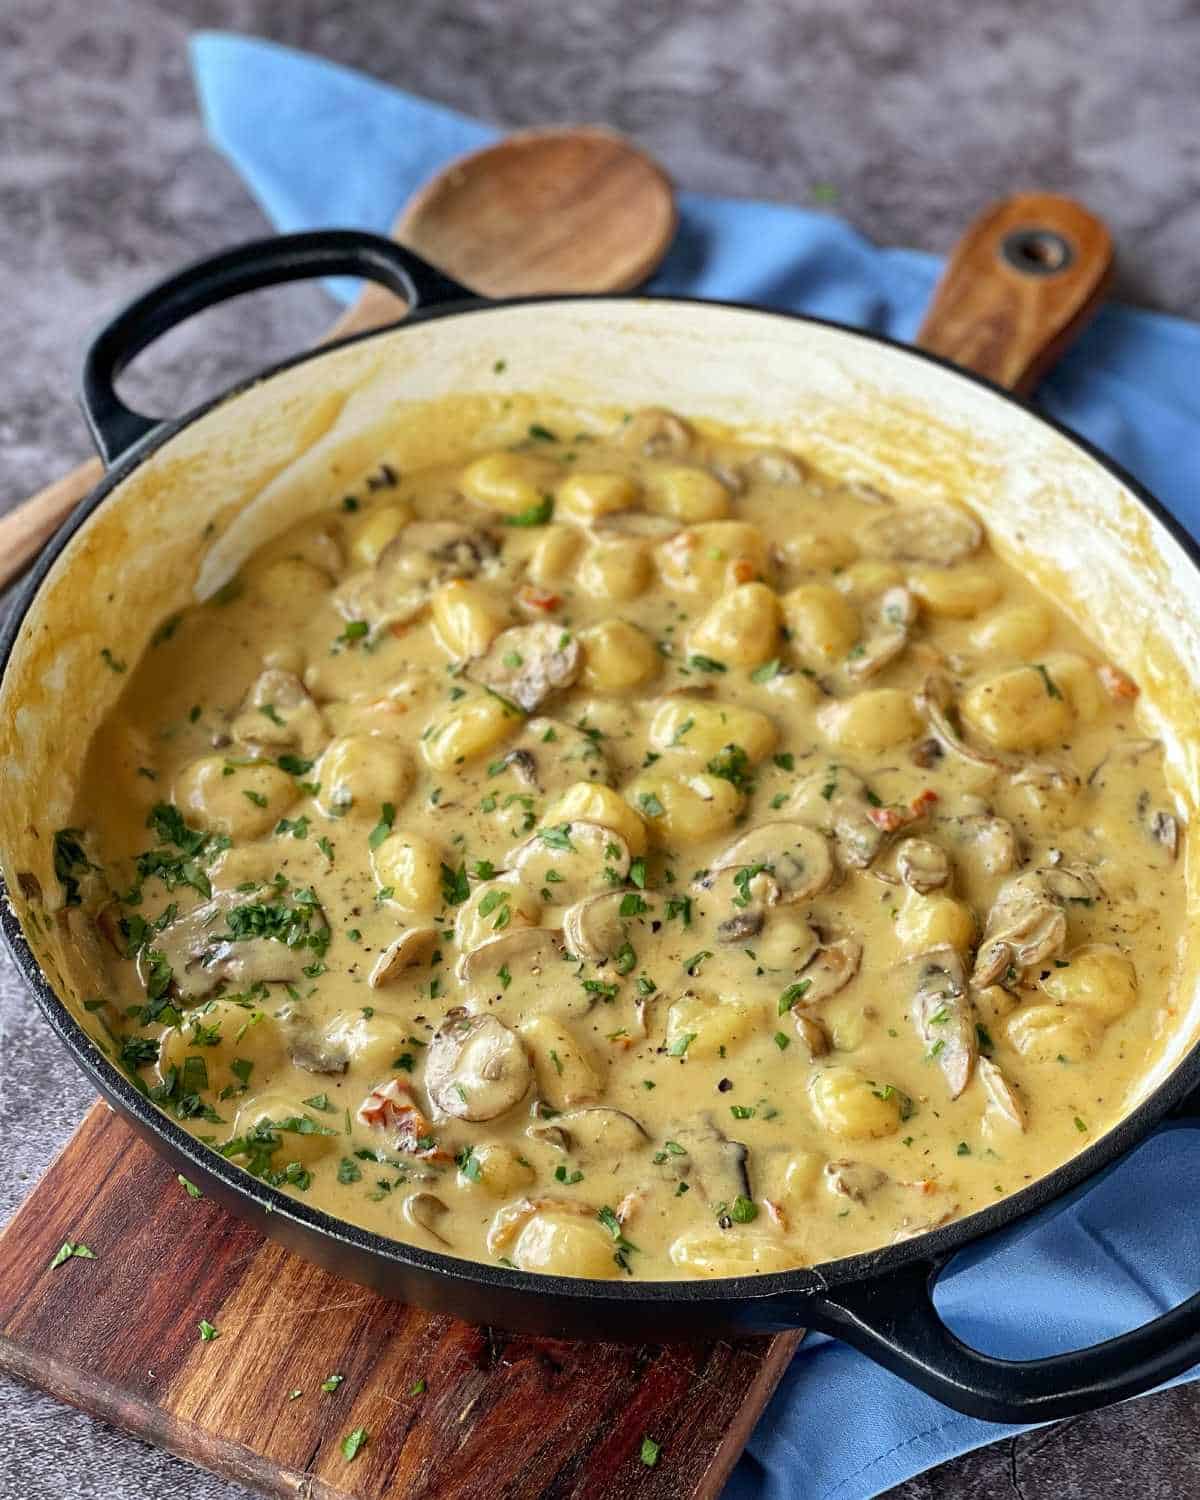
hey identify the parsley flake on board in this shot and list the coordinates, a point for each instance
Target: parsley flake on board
(71, 1250)
(353, 1442)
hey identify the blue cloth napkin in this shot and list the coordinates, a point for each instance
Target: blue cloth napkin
(320, 146)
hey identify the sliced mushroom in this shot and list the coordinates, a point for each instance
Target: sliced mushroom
(855, 1180)
(655, 432)
(1053, 777)
(523, 764)
(911, 1229)
(437, 551)
(515, 958)
(1069, 883)
(936, 699)
(741, 927)
(593, 929)
(837, 801)
(889, 625)
(576, 857)
(922, 865)
(1163, 828)
(381, 602)
(943, 1015)
(831, 969)
(1025, 926)
(313, 1049)
(789, 861)
(390, 1107)
(415, 945)
(427, 1211)
(711, 1163)
(277, 713)
(993, 840)
(811, 1033)
(592, 1133)
(203, 954)
(422, 555)
(526, 663)
(934, 533)
(1002, 1098)
(773, 466)
(476, 1068)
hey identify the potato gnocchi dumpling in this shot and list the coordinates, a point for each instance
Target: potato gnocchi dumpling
(361, 772)
(742, 628)
(237, 801)
(629, 851)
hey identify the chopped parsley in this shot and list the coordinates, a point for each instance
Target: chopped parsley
(294, 765)
(610, 1221)
(387, 816)
(69, 862)
(353, 1442)
(533, 515)
(468, 1164)
(794, 992)
(732, 764)
(71, 1250)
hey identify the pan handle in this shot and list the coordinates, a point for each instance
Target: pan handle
(893, 1320)
(1019, 287)
(116, 427)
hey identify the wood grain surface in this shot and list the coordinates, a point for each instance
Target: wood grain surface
(451, 1411)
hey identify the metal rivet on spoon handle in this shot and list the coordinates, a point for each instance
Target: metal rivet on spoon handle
(574, 209)
(1019, 288)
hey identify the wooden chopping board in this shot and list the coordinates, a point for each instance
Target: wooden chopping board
(499, 1417)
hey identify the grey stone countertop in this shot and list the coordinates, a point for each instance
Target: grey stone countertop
(917, 111)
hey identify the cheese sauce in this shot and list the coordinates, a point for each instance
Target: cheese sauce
(636, 856)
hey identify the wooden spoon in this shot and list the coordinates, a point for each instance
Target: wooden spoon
(565, 209)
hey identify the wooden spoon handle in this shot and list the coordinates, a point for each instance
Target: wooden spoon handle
(1022, 283)
(26, 529)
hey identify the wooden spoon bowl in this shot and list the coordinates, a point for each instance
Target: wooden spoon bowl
(565, 209)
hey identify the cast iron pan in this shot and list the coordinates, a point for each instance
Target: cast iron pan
(880, 1302)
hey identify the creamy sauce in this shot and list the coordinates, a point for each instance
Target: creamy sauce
(640, 857)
